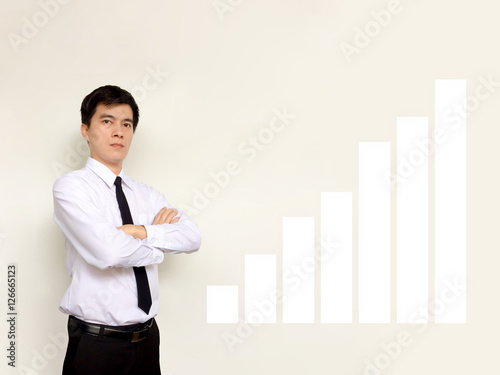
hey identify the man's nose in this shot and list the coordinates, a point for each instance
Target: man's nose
(117, 131)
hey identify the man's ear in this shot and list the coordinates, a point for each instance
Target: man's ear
(85, 131)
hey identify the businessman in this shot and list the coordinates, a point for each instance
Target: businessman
(116, 231)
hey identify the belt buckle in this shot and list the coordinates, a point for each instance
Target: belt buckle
(136, 337)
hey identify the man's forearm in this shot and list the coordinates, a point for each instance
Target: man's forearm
(136, 231)
(164, 216)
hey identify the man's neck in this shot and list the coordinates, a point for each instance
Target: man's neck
(115, 168)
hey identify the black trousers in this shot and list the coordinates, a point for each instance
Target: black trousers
(101, 355)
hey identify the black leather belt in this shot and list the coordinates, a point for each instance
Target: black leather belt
(125, 333)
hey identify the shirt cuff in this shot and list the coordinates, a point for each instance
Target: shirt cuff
(152, 235)
(156, 235)
(172, 238)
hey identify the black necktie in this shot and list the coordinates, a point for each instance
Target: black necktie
(141, 277)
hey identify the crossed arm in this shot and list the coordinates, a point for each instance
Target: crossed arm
(79, 215)
(164, 216)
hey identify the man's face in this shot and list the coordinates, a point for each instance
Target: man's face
(110, 134)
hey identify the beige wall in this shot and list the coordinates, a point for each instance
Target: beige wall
(207, 77)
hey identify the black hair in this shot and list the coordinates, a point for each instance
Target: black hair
(108, 95)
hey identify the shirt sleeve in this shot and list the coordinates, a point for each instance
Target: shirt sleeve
(99, 242)
(181, 237)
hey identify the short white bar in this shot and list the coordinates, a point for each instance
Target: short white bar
(450, 198)
(336, 257)
(298, 270)
(374, 233)
(260, 288)
(412, 219)
(222, 304)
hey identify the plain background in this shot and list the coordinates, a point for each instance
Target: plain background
(222, 76)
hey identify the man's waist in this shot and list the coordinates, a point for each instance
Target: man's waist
(133, 332)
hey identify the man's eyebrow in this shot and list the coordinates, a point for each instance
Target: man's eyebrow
(105, 115)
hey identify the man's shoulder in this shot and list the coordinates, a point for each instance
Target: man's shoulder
(73, 179)
(140, 186)
(145, 190)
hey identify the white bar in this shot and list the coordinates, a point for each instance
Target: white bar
(222, 304)
(336, 257)
(374, 233)
(298, 270)
(412, 219)
(260, 288)
(450, 198)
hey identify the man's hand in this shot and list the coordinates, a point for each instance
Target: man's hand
(136, 231)
(166, 216)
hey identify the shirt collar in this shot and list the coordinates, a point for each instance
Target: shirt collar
(105, 173)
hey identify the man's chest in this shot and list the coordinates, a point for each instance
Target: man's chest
(140, 204)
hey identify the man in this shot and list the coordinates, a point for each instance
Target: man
(116, 231)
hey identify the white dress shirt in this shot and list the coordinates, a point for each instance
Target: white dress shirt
(100, 257)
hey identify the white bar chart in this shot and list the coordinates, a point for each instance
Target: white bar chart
(450, 197)
(222, 304)
(412, 218)
(374, 233)
(417, 195)
(260, 288)
(298, 270)
(336, 264)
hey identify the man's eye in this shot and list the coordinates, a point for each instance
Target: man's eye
(106, 121)
(128, 125)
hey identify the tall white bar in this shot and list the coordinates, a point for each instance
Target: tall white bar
(450, 198)
(336, 257)
(412, 218)
(374, 233)
(222, 304)
(260, 288)
(298, 270)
